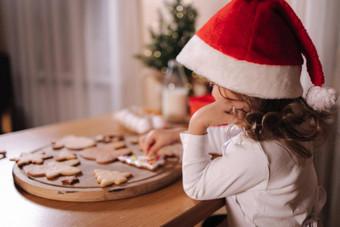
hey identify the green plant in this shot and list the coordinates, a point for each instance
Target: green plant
(171, 37)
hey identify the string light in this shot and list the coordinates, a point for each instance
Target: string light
(157, 54)
(179, 8)
(175, 35)
(147, 53)
(179, 14)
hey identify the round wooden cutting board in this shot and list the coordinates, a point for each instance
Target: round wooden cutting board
(87, 189)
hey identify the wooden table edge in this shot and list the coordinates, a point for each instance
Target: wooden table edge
(194, 215)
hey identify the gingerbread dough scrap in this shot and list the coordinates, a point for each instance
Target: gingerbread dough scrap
(70, 180)
(109, 138)
(35, 158)
(74, 143)
(104, 154)
(109, 177)
(150, 162)
(166, 152)
(54, 169)
(64, 155)
(134, 140)
(103, 138)
(116, 137)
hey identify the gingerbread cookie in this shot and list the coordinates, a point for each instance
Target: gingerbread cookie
(35, 158)
(73, 143)
(104, 154)
(150, 162)
(64, 155)
(54, 169)
(109, 177)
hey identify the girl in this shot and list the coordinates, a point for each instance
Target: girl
(251, 52)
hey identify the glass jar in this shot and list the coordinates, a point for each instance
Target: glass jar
(175, 94)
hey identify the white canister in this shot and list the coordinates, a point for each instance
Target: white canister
(175, 104)
(175, 94)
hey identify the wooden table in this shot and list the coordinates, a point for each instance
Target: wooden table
(169, 206)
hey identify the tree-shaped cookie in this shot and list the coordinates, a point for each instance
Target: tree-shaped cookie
(108, 177)
(54, 169)
(74, 143)
(35, 158)
(105, 153)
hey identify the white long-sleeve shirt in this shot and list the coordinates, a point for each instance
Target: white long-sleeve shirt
(264, 184)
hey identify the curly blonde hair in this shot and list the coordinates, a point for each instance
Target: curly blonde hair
(290, 121)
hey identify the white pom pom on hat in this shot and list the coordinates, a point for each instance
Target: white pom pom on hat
(255, 47)
(321, 98)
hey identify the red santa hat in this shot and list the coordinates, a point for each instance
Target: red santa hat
(255, 47)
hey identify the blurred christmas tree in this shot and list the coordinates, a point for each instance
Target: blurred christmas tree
(171, 37)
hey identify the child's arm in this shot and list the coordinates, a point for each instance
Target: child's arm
(245, 167)
(217, 113)
(236, 172)
(156, 139)
(219, 135)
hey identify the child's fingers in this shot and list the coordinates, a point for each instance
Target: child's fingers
(149, 140)
(141, 140)
(155, 147)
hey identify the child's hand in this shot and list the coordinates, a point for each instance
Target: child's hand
(156, 139)
(219, 112)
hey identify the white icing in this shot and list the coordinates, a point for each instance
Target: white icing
(148, 161)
